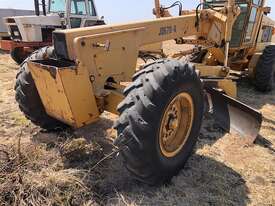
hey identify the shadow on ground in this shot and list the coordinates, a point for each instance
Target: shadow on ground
(263, 142)
(260, 101)
(248, 95)
(3, 52)
(211, 131)
(204, 180)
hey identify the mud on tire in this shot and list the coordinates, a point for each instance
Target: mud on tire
(265, 70)
(27, 95)
(140, 118)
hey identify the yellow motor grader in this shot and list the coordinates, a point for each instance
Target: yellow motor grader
(161, 107)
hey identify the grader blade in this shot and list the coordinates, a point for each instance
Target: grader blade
(234, 116)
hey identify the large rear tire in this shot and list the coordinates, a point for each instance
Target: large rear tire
(265, 70)
(27, 96)
(144, 126)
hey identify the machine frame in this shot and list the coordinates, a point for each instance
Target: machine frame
(106, 46)
(160, 105)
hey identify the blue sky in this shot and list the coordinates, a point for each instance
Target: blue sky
(119, 10)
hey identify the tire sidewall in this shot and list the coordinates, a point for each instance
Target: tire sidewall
(169, 165)
(264, 73)
(28, 98)
(141, 114)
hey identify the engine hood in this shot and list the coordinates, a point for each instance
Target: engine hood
(51, 20)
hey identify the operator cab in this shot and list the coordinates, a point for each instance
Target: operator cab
(78, 13)
(248, 22)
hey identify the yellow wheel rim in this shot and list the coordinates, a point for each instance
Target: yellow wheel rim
(176, 124)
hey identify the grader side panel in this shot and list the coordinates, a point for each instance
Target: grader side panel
(106, 56)
(66, 93)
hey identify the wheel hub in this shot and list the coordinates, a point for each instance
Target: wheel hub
(176, 124)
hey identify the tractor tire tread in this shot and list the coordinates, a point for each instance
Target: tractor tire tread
(138, 113)
(265, 70)
(27, 96)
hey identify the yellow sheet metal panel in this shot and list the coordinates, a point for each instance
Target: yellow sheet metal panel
(52, 94)
(212, 71)
(105, 56)
(80, 95)
(66, 94)
(229, 87)
(155, 48)
(112, 100)
(217, 53)
(155, 31)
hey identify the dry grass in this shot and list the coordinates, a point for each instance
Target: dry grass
(31, 175)
(55, 168)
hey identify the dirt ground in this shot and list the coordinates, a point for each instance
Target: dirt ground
(36, 168)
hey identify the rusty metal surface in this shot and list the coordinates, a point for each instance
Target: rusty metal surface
(8, 45)
(235, 117)
(66, 94)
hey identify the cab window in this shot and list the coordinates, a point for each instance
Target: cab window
(250, 25)
(213, 3)
(222, 2)
(267, 34)
(57, 6)
(91, 8)
(257, 2)
(238, 26)
(78, 7)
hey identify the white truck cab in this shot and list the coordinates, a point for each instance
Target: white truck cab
(78, 13)
(57, 14)
(29, 33)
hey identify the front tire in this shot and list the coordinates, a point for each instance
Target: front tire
(27, 96)
(265, 70)
(143, 116)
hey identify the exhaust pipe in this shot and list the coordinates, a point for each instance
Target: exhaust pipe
(36, 7)
(44, 7)
(157, 8)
